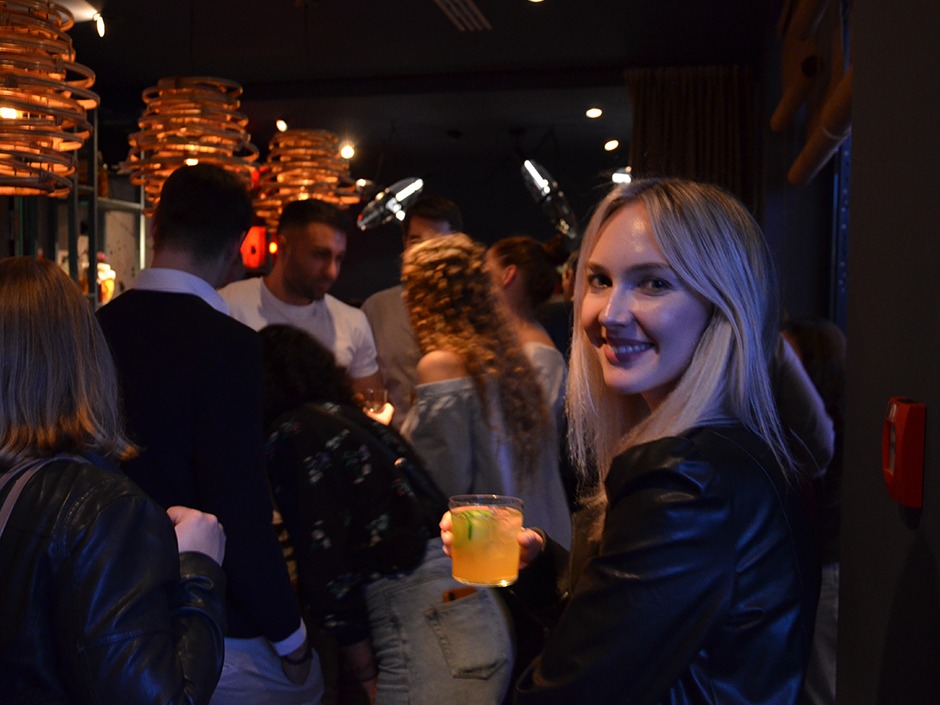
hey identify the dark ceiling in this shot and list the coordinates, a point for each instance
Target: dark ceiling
(417, 96)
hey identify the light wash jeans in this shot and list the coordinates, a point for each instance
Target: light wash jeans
(432, 652)
(252, 675)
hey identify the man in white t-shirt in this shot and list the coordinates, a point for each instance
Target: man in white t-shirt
(427, 217)
(311, 240)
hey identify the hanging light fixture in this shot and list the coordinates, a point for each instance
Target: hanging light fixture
(303, 164)
(189, 120)
(44, 99)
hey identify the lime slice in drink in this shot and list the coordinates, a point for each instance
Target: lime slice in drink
(472, 525)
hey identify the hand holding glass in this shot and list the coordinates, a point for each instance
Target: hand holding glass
(485, 546)
(374, 398)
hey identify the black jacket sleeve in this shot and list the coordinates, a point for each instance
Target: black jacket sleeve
(643, 605)
(139, 622)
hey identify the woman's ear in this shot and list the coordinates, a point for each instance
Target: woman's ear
(509, 274)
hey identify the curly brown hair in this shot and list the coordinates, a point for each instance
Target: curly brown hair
(454, 306)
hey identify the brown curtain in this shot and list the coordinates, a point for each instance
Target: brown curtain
(698, 123)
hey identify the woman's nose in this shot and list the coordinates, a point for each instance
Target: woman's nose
(619, 309)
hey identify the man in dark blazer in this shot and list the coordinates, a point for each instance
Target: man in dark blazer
(191, 385)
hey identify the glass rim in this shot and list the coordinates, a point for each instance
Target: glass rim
(499, 500)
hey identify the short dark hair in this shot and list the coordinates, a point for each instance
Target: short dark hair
(313, 210)
(203, 209)
(434, 208)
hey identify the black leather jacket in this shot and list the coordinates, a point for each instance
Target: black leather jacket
(96, 605)
(702, 589)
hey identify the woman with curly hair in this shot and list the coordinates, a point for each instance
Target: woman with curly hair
(480, 418)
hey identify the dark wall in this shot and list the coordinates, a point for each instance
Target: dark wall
(889, 640)
(797, 221)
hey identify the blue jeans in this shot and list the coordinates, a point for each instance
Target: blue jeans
(429, 651)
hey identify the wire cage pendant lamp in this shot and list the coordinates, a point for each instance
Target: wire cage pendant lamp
(189, 120)
(303, 164)
(45, 97)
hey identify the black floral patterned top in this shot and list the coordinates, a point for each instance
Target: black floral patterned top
(350, 511)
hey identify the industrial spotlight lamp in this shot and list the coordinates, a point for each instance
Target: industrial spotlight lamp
(391, 203)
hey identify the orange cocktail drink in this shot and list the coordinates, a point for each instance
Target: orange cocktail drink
(485, 549)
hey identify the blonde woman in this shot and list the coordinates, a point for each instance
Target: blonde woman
(480, 417)
(692, 580)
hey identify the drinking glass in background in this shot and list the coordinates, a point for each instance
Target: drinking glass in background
(485, 548)
(374, 399)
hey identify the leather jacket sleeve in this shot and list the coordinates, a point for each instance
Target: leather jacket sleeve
(693, 576)
(139, 623)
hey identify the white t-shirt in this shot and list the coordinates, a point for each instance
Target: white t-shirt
(338, 326)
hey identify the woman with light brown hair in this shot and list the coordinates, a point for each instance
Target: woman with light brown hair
(480, 418)
(99, 601)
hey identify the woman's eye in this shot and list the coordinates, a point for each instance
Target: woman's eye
(598, 281)
(655, 284)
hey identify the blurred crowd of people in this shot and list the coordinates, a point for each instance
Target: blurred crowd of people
(198, 507)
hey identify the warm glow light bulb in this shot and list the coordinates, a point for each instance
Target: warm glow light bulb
(272, 247)
(593, 113)
(99, 23)
(8, 113)
(192, 161)
(611, 145)
(281, 125)
(347, 151)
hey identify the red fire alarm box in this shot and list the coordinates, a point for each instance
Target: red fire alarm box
(902, 451)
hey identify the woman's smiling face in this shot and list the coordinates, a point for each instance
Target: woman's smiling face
(641, 319)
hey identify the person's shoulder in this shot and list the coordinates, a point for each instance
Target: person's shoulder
(87, 486)
(383, 298)
(544, 353)
(241, 289)
(698, 457)
(440, 366)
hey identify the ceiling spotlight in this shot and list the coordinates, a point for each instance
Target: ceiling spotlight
(622, 176)
(611, 145)
(9, 113)
(99, 23)
(281, 125)
(535, 0)
(593, 113)
(390, 203)
(347, 151)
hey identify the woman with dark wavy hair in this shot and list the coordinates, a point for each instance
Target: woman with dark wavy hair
(362, 517)
(101, 600)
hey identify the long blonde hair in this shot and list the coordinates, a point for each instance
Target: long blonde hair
(58, 387)
(454, 306)
(716, 248)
